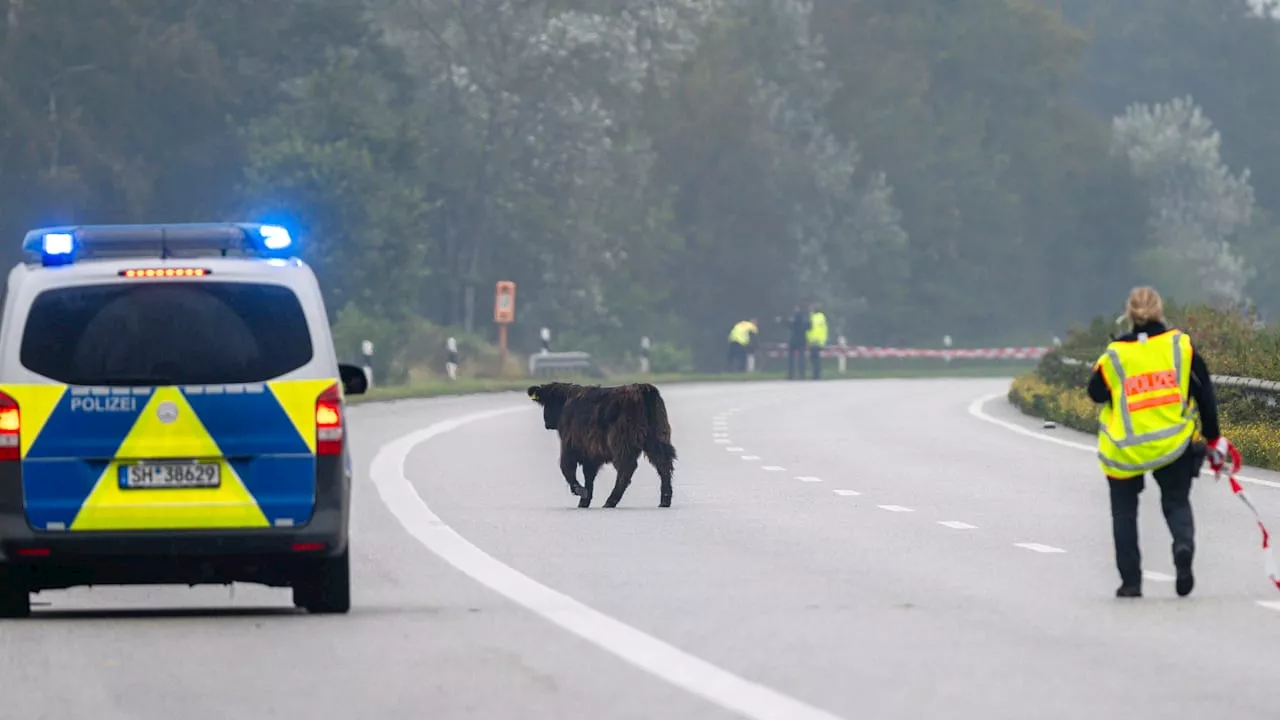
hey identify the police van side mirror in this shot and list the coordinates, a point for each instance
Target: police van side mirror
(354, 381)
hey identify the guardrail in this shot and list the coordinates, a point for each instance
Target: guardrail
(1269, 387)
(555, 363)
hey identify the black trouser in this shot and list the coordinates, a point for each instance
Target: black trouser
(1174, 480)
(795, 362)
(737, 357)
(815, 357)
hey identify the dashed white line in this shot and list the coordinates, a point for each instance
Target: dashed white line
(957, 525)
(808, 478)
(721, 441)
(846, 493)
(1158, 576)
(750, 457)
(773, 468)
(734, 449)
(664, 661)
(895, 508)
(1037, 547)
(1270, 604)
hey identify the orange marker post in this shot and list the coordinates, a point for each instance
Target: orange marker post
(504, 313)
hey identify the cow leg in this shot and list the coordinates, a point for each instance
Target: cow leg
(662, 457)
(569, 467)
(665, 472)
(626, 468)
(589, 470)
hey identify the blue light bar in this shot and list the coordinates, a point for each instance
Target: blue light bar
(59, 243)
(65, 245)
(275, 237)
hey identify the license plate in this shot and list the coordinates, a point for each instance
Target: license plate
(170, 475)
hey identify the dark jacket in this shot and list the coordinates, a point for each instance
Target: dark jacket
(799, 330)
(1201, 383)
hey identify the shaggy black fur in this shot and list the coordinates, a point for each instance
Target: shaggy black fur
(608, 425)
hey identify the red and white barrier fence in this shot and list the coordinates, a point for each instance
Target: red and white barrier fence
(863, 351)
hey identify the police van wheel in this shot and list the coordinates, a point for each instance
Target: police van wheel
(15, 597)
(325, 586)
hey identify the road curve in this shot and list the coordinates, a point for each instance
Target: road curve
(860, 549)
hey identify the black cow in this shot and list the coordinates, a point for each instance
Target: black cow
(608, 425)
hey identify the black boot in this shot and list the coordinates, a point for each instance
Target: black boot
(1129, 590)
(1182, 561)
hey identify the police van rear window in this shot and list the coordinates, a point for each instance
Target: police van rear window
(161, 333)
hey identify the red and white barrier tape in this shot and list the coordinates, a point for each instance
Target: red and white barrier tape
(863, 351)
(1269, 561)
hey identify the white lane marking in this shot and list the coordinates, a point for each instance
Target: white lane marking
(808, 478)
(773, 468)
(722, 441)
(1040, 548)
(735, 449)
(895, 508)
(847, 493)
(750, 457)
(1157, 576)
(957, 525)
(644, 651)
(1270, 604)
(976, 410)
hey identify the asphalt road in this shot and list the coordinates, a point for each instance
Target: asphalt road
(862, 549)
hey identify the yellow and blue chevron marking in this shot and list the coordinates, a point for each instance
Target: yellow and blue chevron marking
(262, 436)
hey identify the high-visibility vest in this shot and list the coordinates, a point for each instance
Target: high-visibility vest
(1149, 421)
(817, 334)
(741, 332)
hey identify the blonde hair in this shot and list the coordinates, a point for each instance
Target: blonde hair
(1144, 306)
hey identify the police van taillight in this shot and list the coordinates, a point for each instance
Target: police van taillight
(329, 422)
(10, 428)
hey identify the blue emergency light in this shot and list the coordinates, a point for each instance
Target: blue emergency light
(65, 245)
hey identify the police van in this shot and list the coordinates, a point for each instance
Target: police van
(171, 412)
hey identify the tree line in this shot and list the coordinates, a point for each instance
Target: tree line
(989, 170)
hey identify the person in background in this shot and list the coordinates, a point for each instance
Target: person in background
(798, 330)
(1147, 380)
(741, 337)
(817, 338)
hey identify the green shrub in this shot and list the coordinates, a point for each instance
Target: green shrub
(414, 350)
(1065, 406)
(1230, 341)
(1253, 432)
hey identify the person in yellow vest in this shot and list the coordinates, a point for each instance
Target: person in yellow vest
(1146, 380)
(741, 338)
(817, 338)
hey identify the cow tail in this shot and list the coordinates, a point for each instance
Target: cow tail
(657, 439)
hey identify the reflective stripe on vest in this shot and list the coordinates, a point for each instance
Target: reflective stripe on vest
(1147, 423)
(817, 334)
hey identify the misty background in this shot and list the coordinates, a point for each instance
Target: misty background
(995, 170)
